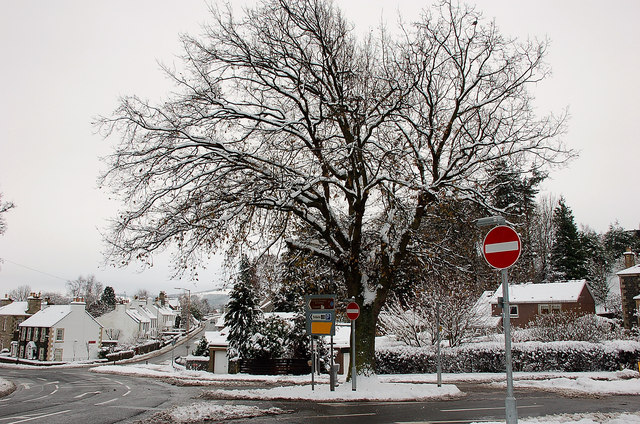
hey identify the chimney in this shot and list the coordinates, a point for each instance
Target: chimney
(34, 303)
(163, 298)
(78, 304)
(5, 301)
(629, 258)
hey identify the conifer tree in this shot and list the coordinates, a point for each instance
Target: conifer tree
(567, 255)
(243, 314)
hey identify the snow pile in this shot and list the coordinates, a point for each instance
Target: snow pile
(598, 418)
(6, 387)
(368, 389)
(203, 411)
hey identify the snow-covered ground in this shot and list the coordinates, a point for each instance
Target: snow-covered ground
(383, 388)
(5, 386)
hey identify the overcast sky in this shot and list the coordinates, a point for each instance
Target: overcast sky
(65, 62)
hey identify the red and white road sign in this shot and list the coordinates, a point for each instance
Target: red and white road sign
(353, 311)
(502, 247)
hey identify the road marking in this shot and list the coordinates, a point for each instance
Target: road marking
(444, 422)
(487, 408)
(85, 394)
(56, 389)
(128, 390)
(367, 414)
(37, 417)
(106, 402)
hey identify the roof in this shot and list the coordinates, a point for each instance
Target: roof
(637, 297)
(568, 291)
(47, 317)
(137, 316)
(634, 270)
(15, 308)
(481, 312)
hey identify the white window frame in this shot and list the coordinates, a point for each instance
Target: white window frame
(59, 334)
(517, 309)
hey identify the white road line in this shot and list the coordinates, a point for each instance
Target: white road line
(488, 408)
(106, 402)
(443, 422)
(85, 394)
(344, 415)
(56, 389)
(40, 416)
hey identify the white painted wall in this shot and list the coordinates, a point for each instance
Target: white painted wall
(82, 335)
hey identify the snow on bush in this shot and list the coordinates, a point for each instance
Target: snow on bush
(204, 411)
(528, 356)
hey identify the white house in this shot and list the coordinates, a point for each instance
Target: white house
(125, 324)
(60, 333)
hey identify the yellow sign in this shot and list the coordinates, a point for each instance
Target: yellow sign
(321, 328)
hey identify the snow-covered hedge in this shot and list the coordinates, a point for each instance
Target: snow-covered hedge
(527, 356)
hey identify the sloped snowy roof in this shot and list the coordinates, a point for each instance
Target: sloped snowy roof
(47, 317)
(481, 312)
(137, 316)
(568, 291)
(637, 297)
(15, 308)
(634, 270)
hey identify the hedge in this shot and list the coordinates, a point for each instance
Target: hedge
(527, 356)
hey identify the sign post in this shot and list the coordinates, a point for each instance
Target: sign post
(353, 312)
(501, 248)
(321, 321)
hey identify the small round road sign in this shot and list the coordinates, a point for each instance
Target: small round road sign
(501, 247)
(353, 311)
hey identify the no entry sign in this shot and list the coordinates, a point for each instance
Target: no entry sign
(353, 310)
(501, 247)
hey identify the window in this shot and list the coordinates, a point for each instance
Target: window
(59, 334)
(513, 311)
(23, 334)
(4, 324)
(43, 334)
(549, 308)
(35, 333)
(41, 354)
(29, 333)
(57, 355)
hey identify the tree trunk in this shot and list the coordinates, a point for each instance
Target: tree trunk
(366, 340)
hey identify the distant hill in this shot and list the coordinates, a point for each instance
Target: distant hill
(217, 299)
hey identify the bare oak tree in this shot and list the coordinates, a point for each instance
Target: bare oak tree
(287, 126)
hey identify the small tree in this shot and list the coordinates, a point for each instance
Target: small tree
(202, 349)
(4, 207)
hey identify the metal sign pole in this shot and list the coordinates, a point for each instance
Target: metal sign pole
(439, 341)
(313, 365)
(353, 355)
(510, 400)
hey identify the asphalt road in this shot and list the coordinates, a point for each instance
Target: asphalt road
(73, 395)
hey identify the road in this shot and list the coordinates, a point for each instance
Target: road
(74, 395)
(481, 403)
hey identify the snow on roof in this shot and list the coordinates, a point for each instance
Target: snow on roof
(481, 312)
(137, 316)
(637, 297)
(15, 308)
(217, 338)
(634, 270)
(568, 291)
(47, 317)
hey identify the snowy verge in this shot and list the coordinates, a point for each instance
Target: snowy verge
(205, 411)
(598, 418)
(370, 389)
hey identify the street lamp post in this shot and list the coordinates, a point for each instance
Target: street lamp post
(188, 305)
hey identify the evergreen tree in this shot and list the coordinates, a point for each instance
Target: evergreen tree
(616, 241)
(596, 265)
(243, 312)
(567, 255)
(202, 349)
(108, 297)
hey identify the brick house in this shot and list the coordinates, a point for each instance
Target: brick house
(12, 314)
(630, 291)
(526, 301)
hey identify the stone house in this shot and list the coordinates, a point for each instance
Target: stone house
(526, 301)
(630, 291)
(12, 314)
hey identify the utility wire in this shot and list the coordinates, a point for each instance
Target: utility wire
(33, 269)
